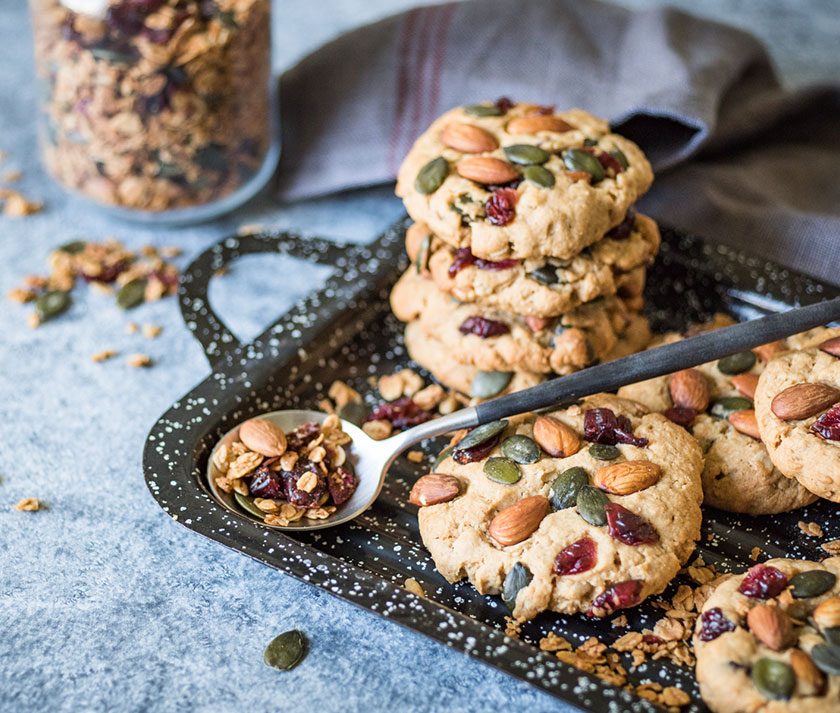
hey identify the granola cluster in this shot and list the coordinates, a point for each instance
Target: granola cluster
(157, 104)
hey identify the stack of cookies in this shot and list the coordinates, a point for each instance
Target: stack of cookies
(528, 259)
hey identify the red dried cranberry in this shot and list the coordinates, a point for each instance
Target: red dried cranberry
(464, 258)
(128, 16)
(713, 623)
(342, 484)
(601, 425)
(483, 327)
(504, 105)
(477, 452)
(265, 483)
(500, 207)
(301, 498)
(578, 557)
(681, 415)
(298, 439)
(108, 273)
(619, 596)
(652, 639)
(402, 413)
(623, 229)
(827, 426)
(763, 582)
(629, 528)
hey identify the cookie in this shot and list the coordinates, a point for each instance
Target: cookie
(521, 181)
(797, 405)
(761, 640)
(524, 518)
(542, 287)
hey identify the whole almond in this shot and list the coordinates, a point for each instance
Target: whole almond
(518, 522)
(555, 437)
(487, 170)
(468, 138)
(745, 383)
(766, 352)
(770, 625)
(690, 389)
(263, 437)
(627, 477)
(809, 679)
(744, 422)
(532, 123)
(537, 324)
(827, 614)
(831, 346)
(803, 401)
(434, 489)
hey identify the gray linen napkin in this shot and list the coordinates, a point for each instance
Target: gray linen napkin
(738, 159)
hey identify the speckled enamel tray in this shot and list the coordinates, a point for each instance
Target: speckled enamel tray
(345, 331)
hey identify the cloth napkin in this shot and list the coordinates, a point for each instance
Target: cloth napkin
(738, 159)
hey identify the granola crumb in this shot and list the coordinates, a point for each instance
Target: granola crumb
(171, 251)
(413, 586)
(29, 505)
(415, 456)
(131, 328)
(16, 205)
(104, 355)
(755, 553)
(220, 272)
(20, 295)
(139, 361)
(832, 547)
(12, 176)
(378, 429)
(151, 331)
(33, 320)
(513, 628)
(619, 621)
(812, 529)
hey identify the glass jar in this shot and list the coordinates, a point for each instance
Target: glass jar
(163, 110)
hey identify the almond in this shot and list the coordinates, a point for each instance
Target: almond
(555, 437)
(831, 346)
(487, 170)
(689, 389)
(827, 614)
(803, 401)
(770, 625)
(434, 489)
(627, 477)
(745, 383)
(467, 138)
(809, 679)
(263, 437)
(517, 522)
(767, 351)
(532, 123)
(744, 422)
(537, 324)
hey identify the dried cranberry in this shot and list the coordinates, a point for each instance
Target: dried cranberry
(504, 105)
(298, 439)
(342, 484)
(578, 557)
(652, 639)
(500, 207)
(763, 582)
(265, 483)
(483, 327)
(544, 109)
(302, 498)
(827, 426)
(108, 273)
(128, 16)
(601, 425)
(402, 413)
(477, 452)
(619, 596)
(623, 229)
(713, 623)
(464, 258)
(681, 415)
(629, 528)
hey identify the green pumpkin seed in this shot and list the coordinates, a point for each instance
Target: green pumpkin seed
(108, 55)
(51, 304)
(285, 651)
(566, 487)
(827, 658)
(247, 504)
(721, 408)
(74, 247)
(773, 679)
(486, 384)
(547, 275)
(590, 142)
(422, 261)
(591, 505)
(603, 451)
(442, 456)
(812, 583)
(132, 293)
(354, 411)
(521, 449)
(526, 154)
(577, 160)
(539, 175)
(431, 176)
(481, 434)
(516, 580)
(483, 110)
(620, 156)
(832, 635)
(502, 470)
(736, 363)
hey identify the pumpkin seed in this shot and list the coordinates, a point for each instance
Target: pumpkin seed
(430, 177)
(132, 293)
(502, 470)
(773, 679)
(483, 110)
(285, 651)
(51, 304)
(591, 505)
(736, 363)
(109, 55)
(481, 434)
(539, 175)
(489, 383)
(577, 160)
(521, 449)
(526, 154)
(516, 580)
(354, 411)
(590, 142)
(547, 274)
(722, 407)
(247, 504)
(603, 451)
(566, 486)
(827, 658)
(812, 583)
(442, 456)
(832, 635)
(621, 157)
(422, 261)
(74, 247)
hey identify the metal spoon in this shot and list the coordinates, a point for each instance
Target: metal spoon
(372, 459)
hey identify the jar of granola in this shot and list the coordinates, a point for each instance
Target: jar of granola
(161, 109)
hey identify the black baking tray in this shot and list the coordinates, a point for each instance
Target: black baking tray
(346, 331)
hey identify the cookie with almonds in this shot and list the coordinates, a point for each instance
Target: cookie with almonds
(521, 181)
(769, 639)
(589, 508)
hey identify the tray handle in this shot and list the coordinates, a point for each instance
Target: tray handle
(215, 337)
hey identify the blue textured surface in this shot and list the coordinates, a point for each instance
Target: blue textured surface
(105, 603)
